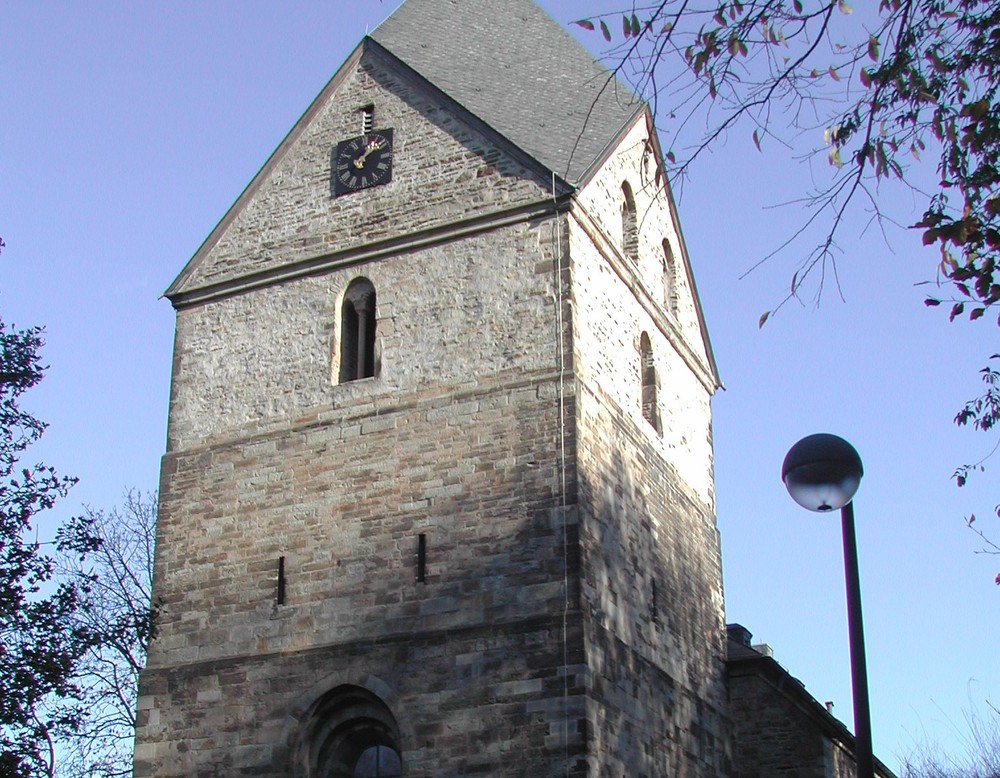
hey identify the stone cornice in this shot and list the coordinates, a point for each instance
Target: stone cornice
(323, 263)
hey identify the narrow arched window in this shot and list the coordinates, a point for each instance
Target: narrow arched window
(630, 224)
(650, 409)
(669, 278)
(357, 331)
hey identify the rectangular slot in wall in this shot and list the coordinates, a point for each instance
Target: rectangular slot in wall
(422, 558)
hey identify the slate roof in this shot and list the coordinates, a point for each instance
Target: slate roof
(517, 69)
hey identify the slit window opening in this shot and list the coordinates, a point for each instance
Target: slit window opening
(647, 367)
(630, 225)
(422, 558)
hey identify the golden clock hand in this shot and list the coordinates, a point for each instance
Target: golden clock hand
(359, 162)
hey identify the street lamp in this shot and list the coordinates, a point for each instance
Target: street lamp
(822, 472)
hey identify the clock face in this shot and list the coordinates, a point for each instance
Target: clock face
(361, 162)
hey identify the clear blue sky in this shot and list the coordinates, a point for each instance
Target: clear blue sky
(127, 130)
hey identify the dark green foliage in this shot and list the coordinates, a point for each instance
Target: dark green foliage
(40, 640)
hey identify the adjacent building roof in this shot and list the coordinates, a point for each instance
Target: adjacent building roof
(517, 69)
(745, 660)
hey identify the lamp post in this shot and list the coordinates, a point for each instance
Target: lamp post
(822, 472)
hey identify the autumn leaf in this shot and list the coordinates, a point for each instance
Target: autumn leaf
(763, 318)
(977, 110)
(873, 48)
(605, 31)
(585, 23)
(833, 73)
(756, 140)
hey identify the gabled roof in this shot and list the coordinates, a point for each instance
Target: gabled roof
(518, 70)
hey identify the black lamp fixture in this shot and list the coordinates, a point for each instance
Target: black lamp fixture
(822, 472)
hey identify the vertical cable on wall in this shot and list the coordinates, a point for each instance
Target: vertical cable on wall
(560, 346)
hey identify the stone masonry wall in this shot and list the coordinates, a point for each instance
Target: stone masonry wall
(634, 161)
(652, 605)
(780, 734)
(652, 579)
(344, 502)
(447, 316)
(773, 737)
(481, 701)
(456, 438)
(614, 303)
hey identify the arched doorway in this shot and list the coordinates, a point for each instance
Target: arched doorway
(348, 733)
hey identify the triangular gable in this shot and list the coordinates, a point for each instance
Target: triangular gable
(184, 278)
(598, 217)
(286, 222)
(685, 257)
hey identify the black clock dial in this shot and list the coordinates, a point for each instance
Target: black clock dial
(361, 162)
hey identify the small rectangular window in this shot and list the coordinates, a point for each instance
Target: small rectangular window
(367, 119)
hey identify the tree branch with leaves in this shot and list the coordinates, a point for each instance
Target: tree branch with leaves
(880, 95)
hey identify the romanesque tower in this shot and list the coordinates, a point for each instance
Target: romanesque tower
(438, 493)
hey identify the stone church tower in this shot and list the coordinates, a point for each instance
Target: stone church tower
(438, 492)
